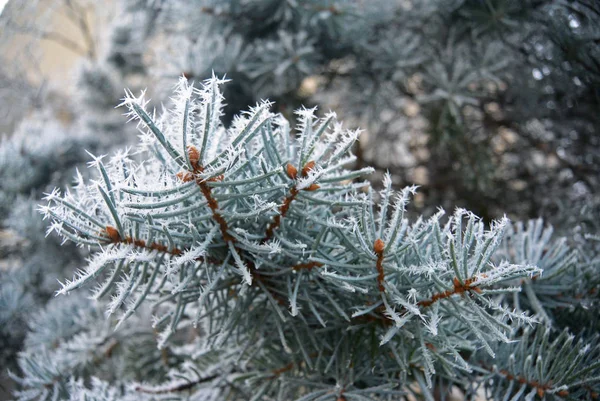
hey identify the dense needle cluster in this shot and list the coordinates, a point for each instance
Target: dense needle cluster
(273, 274)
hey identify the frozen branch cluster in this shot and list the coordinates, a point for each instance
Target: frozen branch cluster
(273, 273)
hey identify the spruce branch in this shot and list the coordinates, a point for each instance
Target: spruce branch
(548, 364)
(220, 228)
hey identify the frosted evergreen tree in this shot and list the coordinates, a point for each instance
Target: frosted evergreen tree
(238, 257)
(272, 272)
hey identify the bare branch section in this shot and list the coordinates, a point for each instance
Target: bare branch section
(114, 237)
(541, 388)
(194, 157)
(459, 288)
(378, 248)
(292, 173)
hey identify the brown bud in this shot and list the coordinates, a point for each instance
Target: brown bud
(313, 187)
(307, 168)
(113, 234)
(341, 398)
(185, 176)
(378, 246)
(456, 283)
(194, 155)
(563, 393)
(540, 392)
(291, 171)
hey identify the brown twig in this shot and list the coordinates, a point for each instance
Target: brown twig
(292, 173)
(283, 209)
(378, 248)
(114, 237)
(541, 388)
(459, 288)
(380, 316)
(307, 266)
(286, 368)
(194, 157)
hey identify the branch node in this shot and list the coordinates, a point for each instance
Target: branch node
(378, 248)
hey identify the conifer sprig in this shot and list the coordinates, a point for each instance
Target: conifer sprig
(261, 239)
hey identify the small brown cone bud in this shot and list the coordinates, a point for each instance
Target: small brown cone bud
(563, 393)
(291, 171)
(307, 168)
(378, 246)
(113, 234)
(194, 155)
(313, 187)
(185, 176)
(540, 392)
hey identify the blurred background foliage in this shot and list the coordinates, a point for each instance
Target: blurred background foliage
(487, 104)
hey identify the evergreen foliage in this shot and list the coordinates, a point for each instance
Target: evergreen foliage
(273, 274)
(241, 255)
